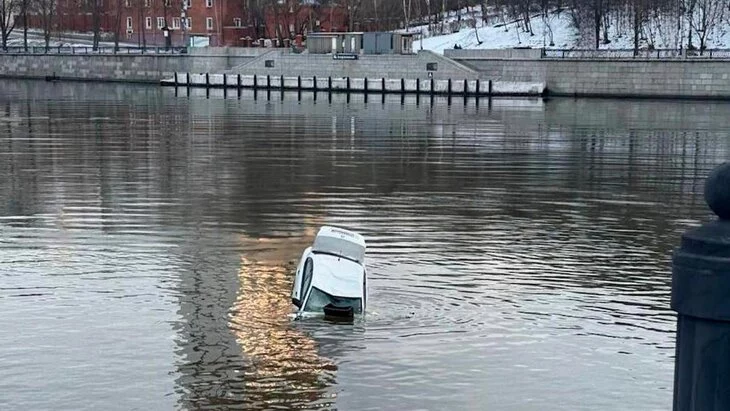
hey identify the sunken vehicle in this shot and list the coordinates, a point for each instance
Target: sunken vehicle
(331, 278)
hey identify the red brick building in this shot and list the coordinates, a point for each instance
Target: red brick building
(205, 22)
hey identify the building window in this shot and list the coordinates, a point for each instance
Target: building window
(160, 22)
(209, 23)
(291, 28)
(208, 3)
(147, 3)
(167, 3)
(188, 3)
(237, 21)
(176, 22)
(188, 23)
(148, 23)
(129, 24)
(127, 3)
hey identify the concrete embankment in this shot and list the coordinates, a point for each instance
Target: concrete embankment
(690, 77)
(524, 71)
(148, 68)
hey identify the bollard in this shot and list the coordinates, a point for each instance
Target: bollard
(700, 287)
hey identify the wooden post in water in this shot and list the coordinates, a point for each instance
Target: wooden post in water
(207, 80)
(700, 287)
(175, 81)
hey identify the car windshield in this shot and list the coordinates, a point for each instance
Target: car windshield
(318, 299)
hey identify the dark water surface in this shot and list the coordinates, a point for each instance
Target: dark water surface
(518, 249)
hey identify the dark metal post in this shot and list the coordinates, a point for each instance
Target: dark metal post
(418, 87)
(402, 86)
(281, 82)
(479, 90)
(176, 79)
(490, 88)
(255, 82)
(238, 80)
(449, 89)
(207, 80)
(329, 83)
(466, 87)
(268, 82)
(299, 82)
(432, 90)
(314, 86)
(225, 80)
(347, 81)
(382, 87)
(700, 289)
(365, 85)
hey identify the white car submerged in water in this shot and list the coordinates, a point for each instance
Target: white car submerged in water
(331, 277)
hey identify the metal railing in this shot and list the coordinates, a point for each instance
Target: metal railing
(91, 50)
(638, 54)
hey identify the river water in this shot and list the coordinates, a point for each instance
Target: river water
(518, 249)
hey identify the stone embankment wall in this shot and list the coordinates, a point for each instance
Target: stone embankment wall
(669, 78)
(422, 65)
(123, 67)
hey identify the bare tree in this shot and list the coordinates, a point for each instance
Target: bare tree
(8, 10)
(707, 14)
(46, 10)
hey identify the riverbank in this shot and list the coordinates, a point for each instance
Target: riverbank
(468, 72)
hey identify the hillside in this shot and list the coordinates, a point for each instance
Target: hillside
(564, 35)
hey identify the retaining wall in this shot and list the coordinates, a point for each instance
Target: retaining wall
(366, 66)
(671, 78)
(123, 67)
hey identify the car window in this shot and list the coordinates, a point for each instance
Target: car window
(306, 277)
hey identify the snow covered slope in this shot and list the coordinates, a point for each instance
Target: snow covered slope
(564, 36)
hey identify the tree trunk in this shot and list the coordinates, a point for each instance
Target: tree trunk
(597, 21)
(637, 20)
(25, 24)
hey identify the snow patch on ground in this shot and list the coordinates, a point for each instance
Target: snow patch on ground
(508, 36)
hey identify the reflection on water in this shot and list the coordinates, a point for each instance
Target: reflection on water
(518, 249)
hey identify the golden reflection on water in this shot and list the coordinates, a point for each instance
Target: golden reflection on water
(284, 367)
